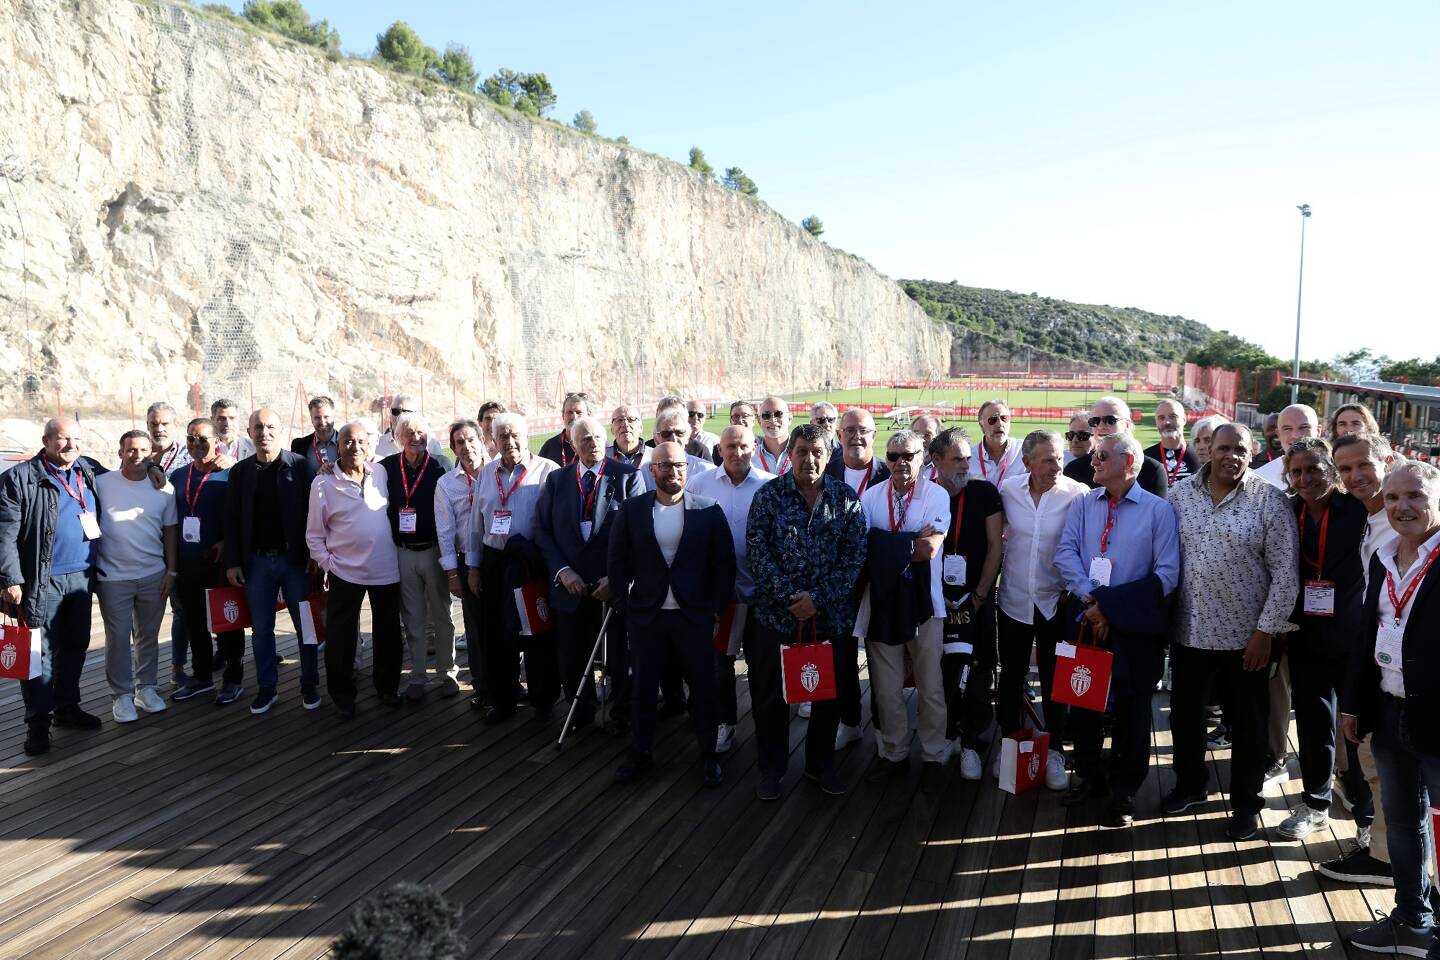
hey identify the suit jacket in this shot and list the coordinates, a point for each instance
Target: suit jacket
(557, 524)
(294, 488)
(878, 470)
(702, 576)
(1419, 659)
(1139, 615)
(899, 589)
(1152, 474)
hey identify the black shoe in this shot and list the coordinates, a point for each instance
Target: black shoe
(932, 776)
(37, 742)
(346, 710)
(711, 775)
(1243, 826)
(1121, 813)
(1219, 738)
(882, 769)
(829, 782)
(76, 719)
(1359, 867)
(391, 700)
(1083, 791)
(769, 787)
(480, 703)
(637, 767)
(497, 716)
(670, 708)
(1177, 801)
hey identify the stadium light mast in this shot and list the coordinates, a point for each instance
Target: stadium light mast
(1304, 209)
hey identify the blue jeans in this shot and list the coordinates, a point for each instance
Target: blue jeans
(265, 577)
(64, 638)
(1409, 782)
(179, 635)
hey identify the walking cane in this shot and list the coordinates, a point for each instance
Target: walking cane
(602, 648)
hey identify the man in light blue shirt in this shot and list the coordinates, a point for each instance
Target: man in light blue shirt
(1120, 559)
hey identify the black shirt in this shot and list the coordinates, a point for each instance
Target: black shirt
(267, 533)
(1338, 634)
(421, 497)
(1187, 467)
(981, 501)
(1152, 474)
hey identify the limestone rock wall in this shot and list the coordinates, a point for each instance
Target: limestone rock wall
(185, 202)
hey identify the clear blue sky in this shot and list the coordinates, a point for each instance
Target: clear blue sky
(1140, 154)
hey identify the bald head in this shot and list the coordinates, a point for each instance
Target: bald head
(1296, 421)
(670, 467)
(61, 441)
(265, 434)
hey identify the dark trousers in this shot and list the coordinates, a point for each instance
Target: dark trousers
(971, 714)
(64, 638)
(847, 687)
(1015, 641)
(671, 636)
(470, 611)
(501, 645)
(1314, 680)
(725, 675)
(1409, 783)
(772, 713)
(191, 582)
(1245, 699)
(576, 633)
(342, 635)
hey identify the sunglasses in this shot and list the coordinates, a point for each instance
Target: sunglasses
(772, 415)
(1109, 420)
(822, 419)
(672, 434)
(1078, 434)
(697, 413)
(997, 418)
(895, 456)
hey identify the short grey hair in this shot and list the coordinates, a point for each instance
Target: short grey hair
(1206, 423)
(402, 400)
(595, 427)
(823, 405)
(410, 420)
(159, 406)
(676, 415)
(1036, 438)
(1118, 404)
(1429, 476)
(514, 421)
(908, 438)
(1127, 444)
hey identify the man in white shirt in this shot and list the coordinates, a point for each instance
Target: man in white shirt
(136, 571)
(454, 501)
(1295, 421)
(347, 532)
(915, 514)
(927, 426)
(697, 413)
(1035, 505)
(733, 486)
(225, 414)
(772, 451)
(999, 455)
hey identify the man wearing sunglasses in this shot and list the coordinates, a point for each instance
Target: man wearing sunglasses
(698, 413)
(558, 449)
(1079, 441)
(825, 416)
(999, 456)
(673, 426)
(772, 452)
(1110, 416)
(1172, 452)
(388, 446)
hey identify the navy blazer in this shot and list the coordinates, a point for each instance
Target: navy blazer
(294, 487)
(703, 575)
(557, 524)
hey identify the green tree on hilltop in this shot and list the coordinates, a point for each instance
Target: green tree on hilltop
(402, 47)
(584, 122)
(735, 179)
(530, 93)
(288, 18)
(699, 164)
(813, 225)
(456, 69)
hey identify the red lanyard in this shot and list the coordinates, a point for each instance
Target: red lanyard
(567, 452)
(195, 500)
(320, 457)
(1319, 563)
(405, 485)
(781, 461)
(1111, 510)
(1400, 603)
(587, 504)
(469, 487)
(1172, 475)
(505, 497)
(890, 501)
(1004, 465)
(864, 480)
(174, 452)
(959, 520)
(77, 493)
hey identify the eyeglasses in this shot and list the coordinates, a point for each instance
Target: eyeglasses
(669, 466)
(997, 418)
(822, 419)
(1109, 420)
(671, 434)
(624, 419)
(854, 431)
(697, 413)
(895, 456)
(1078, 434)
(772, 415)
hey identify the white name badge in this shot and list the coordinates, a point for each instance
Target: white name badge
(500, 524)
(585, 527)
(953, 570)
(1388, 642)
(1319, 598)
(89, 526)
(1065, 651)
(190, 529)
(1099, 572)
(407, 520)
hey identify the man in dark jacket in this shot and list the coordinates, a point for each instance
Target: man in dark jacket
(266, 505)
(320, 445)
(1111, 415)
(48, 529)
(558, 449)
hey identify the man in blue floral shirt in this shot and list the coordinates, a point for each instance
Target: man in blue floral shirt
(805, 543)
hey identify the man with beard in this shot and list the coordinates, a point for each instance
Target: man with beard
(999, 454)
(321, 445)
(1272, 450)
(772, 452)
(225, 414)
(1172, 452)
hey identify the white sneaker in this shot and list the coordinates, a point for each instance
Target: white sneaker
(123, 709)
(846, 735)
(1303, 821)
(971, 767)
(149, 700)
(1056, 776)
(805, 709)
(724, 737)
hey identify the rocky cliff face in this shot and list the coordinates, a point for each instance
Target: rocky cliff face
(184, 202)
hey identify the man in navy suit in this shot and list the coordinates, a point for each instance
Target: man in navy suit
(573, 519)
(672, 571)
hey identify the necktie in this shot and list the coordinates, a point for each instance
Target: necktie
(587, 485)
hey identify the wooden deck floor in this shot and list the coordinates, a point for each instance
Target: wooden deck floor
(206, 832)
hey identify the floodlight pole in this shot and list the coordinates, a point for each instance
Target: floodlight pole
(1304, 209)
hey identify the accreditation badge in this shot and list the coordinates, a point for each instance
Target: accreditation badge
(407, 520)
(500, 523)
(1319, 598)
(1100, 571)
(1389, 641)
(190, 529)
(89, 525)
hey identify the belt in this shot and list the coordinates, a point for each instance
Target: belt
(419, 546)
(269, 553)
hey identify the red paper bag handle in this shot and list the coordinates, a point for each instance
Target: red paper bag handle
(800, 628)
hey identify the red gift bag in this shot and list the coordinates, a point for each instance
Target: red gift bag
(533, 604)
(226, 609)
(312, 619)
(19, 651)
(807, 670)
(730, 628)
(1022, 756)
(1082, 673)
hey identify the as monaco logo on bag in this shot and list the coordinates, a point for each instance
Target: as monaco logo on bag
(231, 611)
(8, 656)
(1080, 681)
(1034, 766)
(810, 677)
(226, 609)
(19, 651)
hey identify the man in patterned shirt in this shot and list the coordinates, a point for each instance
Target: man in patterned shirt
(805, 543)
(1237, 590)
